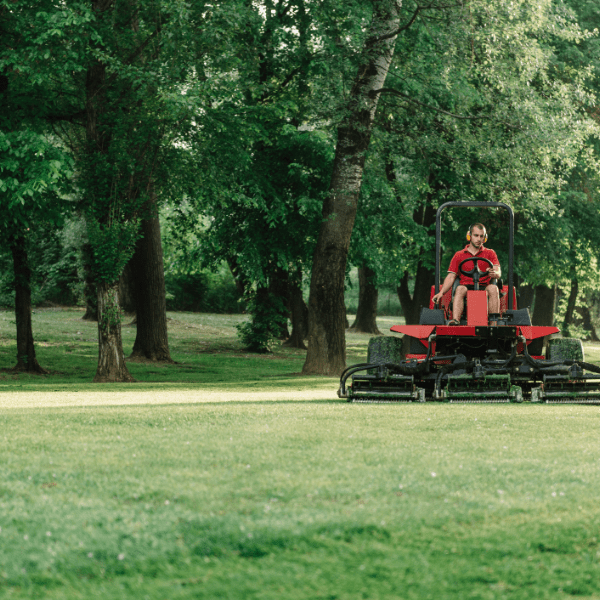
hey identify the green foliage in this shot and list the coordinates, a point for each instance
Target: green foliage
(54, 255)
(113, 245)
(228, 111)
(491, 119)
(202, 292)
(110, 315)
(268, 317)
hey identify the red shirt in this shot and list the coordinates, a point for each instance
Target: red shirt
(483, 252)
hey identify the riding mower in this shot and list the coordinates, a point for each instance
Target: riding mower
(486, 358)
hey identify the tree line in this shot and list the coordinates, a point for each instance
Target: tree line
(291, 139)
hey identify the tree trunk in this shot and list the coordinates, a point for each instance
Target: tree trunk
(111, 361)
(588, 323)
(570, 313)
(151, 341)
(526, 296)
(26, 359)
(366, 313)
(326, 339)
(279, 287)
(299, 313)
(89, 285)
(127, 291)
(543, 312)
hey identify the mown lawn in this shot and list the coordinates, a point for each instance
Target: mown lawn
(227, 475)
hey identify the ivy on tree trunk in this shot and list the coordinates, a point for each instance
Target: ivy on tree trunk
(111, 362)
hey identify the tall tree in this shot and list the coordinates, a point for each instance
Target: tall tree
(327, 315)
(133, 117)
(34, 167)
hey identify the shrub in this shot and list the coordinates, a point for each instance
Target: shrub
(269, 318)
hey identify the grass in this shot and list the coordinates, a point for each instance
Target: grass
(227, 476)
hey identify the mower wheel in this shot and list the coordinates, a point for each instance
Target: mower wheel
(385, 349)
(564, 349)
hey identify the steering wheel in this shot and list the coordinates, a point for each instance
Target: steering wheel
(474, 273)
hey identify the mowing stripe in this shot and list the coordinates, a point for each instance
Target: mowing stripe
(37, 399)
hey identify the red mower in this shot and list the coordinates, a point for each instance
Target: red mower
(480, 359)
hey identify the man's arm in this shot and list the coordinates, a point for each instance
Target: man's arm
(495, 272)
(445, 286)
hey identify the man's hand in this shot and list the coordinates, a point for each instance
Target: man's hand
(494, 272)
(437, 298)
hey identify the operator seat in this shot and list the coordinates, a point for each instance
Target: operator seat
(497, 282)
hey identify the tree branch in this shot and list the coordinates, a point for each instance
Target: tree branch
(435, 108)
(402, 28)
(413, 18)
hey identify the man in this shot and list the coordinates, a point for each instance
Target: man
(476, 236)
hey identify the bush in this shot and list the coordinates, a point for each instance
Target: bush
(269, 318)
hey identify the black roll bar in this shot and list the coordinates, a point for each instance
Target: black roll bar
(511, 240)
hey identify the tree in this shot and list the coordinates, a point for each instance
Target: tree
(34, 167)
(326, 338)
(133, 108)
(26, 358)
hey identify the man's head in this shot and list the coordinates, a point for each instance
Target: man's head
(477, 235)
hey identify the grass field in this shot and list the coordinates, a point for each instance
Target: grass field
(228, 475)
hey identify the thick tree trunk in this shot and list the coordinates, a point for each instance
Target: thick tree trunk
(570, 312)
(111, 361)
(326, 339)
(299, 314)
(366, 313)
(543, 312)
(26, 359)
(151, 341)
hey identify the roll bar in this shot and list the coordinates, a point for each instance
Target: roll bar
(511, 240)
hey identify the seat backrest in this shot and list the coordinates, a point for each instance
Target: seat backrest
(504, 299)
